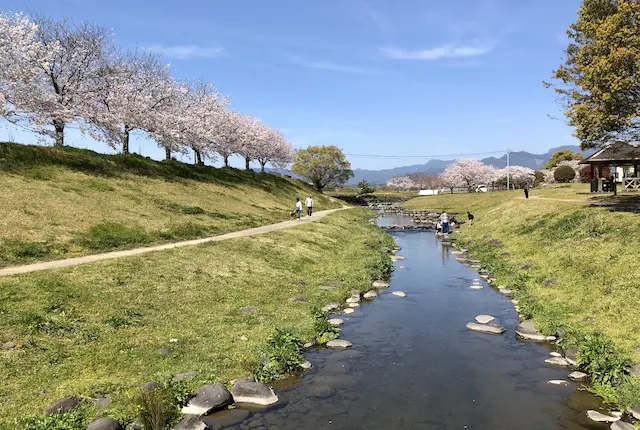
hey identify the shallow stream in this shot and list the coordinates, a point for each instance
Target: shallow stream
(415, 365)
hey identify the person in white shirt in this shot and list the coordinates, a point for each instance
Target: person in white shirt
(298, 207)
(309, 203)
(444, 219)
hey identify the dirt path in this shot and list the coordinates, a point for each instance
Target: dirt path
(556, 199)
(137, 251)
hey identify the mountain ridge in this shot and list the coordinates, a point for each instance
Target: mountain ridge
(436, 166)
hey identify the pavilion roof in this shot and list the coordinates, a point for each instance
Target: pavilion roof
(616, 152)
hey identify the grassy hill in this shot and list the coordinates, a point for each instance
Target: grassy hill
(572, 261)
(63, 202)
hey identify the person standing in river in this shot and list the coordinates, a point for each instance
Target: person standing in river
(444, 219)
(298, 207)
(309, 203)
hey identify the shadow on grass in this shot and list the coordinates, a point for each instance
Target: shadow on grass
(29, 161)
(620, 203)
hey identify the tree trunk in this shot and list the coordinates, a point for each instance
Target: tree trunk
(59, 126)
(125, 142)
(198, 157)
(167, 154)
(262, 166)
(246, 163)
(226, 161)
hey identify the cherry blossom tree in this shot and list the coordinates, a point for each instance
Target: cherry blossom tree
(68, 81)
(22, 58)
(273, 147)
(466, 173)
(401, 182)
(133, 89)
(225, 136)
(518, 176)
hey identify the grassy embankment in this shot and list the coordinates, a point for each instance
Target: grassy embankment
(96, 328)
(571, 265)
(59, 203)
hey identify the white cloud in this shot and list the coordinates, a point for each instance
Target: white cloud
(185, 52)
(437, 53)
(332, 67)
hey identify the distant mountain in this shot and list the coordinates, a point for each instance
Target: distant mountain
(435, 167)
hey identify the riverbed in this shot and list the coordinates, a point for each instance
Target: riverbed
(415, 365)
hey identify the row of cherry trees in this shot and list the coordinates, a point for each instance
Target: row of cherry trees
(468, 173)
(56, 73)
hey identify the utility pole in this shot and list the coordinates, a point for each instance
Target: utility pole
(508, 153)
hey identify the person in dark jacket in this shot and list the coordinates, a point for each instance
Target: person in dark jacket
(470, 217)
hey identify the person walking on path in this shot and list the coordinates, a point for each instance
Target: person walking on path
(298, 207)
(309, 203)
(444, 219)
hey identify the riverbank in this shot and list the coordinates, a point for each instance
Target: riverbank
(573, 267)
(107, 328)
(68, 202)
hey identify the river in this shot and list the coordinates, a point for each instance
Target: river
(415, 365)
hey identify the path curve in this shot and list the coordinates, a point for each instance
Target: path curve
(17, 270)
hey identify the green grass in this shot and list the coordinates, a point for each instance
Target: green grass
(64, 202)
(96, 328)
(584, 268)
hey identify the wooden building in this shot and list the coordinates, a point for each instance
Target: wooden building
(622, 159)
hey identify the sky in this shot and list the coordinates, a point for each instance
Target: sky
(374, 77)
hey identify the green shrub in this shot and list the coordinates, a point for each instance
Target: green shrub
(324, 331)
(157, 409)
(564, 174)
(282, 354)
(629, 391)
(73, 420)
(599, 356)
(110, 235)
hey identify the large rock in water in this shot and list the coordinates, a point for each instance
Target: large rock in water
(66, 404)
(105, 423)
(330, 307)
(484, 319)
(527, 330)
(601, 418)
(621, 425)
(486, 328)
(254, 393)
(191, 422)
(380, 285)
(577, 376)
(208, 398)
(339, 343)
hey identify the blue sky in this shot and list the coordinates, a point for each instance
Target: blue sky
(413, 77)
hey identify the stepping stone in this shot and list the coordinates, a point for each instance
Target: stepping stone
(66, 404)
(635, 412)
(253, 393)
(505, 291)
(336, 322)
(339, 343)
(396, 258)
(224, 419)
(105, 423)
(577, 376)
(600, 418)
(557, 361)
(526, 330)
(370, 295)
(185, 375)
(354, 305)
(515, 301)
(555, 354)
(399, 294)
(308, 345)
(208, 398)
(558, 382)
(484, 319)
(486, 328)
(476, 287)
(353, 300)
(330, 307)
(621, 425)
(349, 311)
(380, 285)
(306, 365)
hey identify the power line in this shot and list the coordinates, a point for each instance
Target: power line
(426, 156)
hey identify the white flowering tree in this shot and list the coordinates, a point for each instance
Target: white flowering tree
(273, 148)
(518, 176)
(401, 183)
(67, 83)
(22, 59)
(467, 173)
(132, 91)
